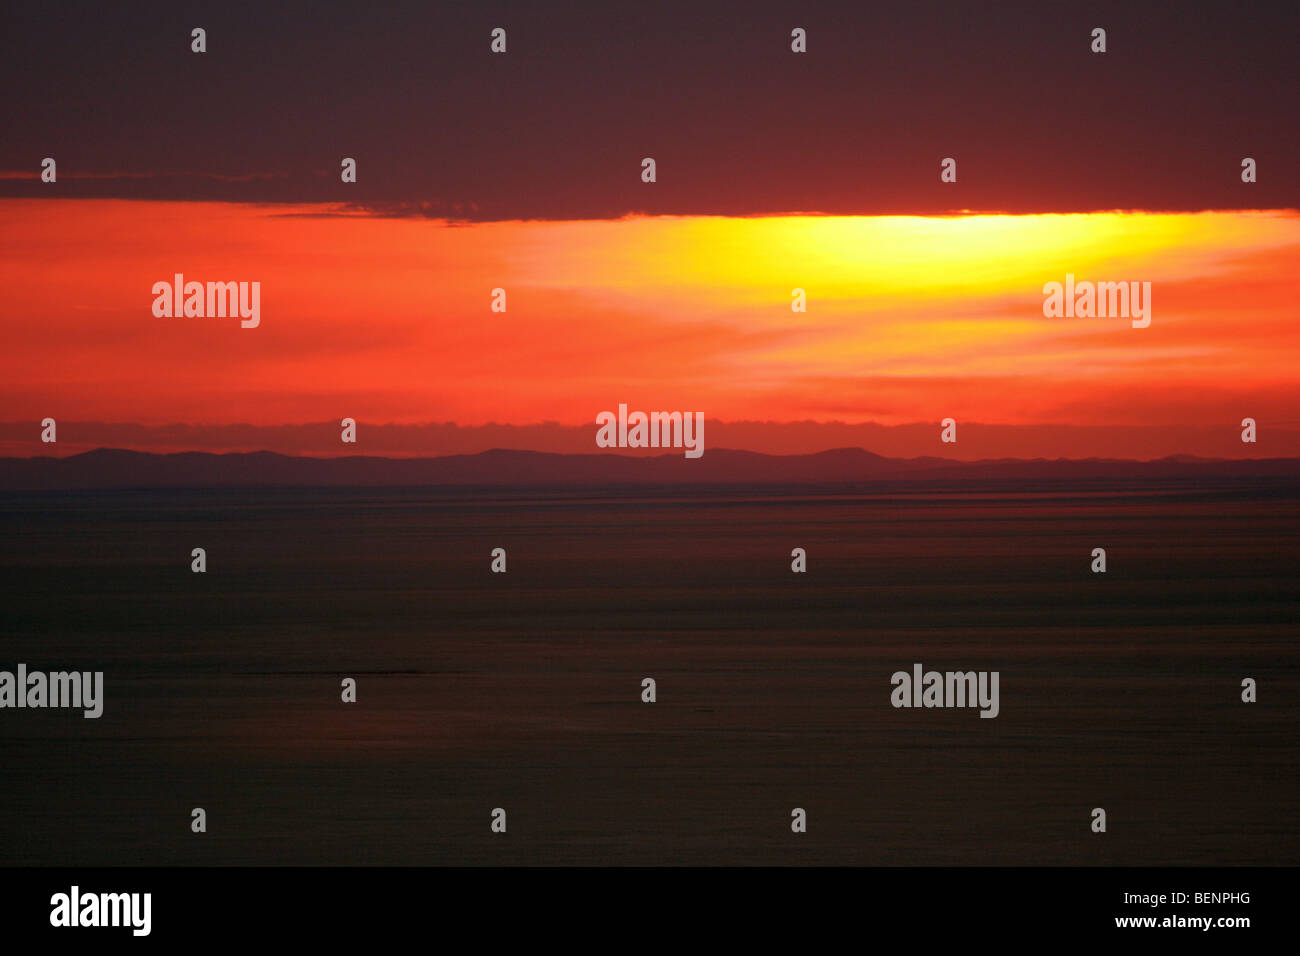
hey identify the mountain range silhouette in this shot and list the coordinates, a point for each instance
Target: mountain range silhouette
(115, 468)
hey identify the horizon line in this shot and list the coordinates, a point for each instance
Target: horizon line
(434, 210)
(649, 455)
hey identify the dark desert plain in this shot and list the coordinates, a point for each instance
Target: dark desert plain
(522, 690)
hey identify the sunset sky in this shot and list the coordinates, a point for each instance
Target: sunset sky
(775, 171)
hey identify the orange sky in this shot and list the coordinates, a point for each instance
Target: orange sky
(388, 320)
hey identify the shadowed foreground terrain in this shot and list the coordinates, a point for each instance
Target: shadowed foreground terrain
(522, 690)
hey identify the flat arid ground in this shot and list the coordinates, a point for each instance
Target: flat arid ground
(522, 690)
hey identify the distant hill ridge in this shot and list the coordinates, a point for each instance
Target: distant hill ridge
(116, 468)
